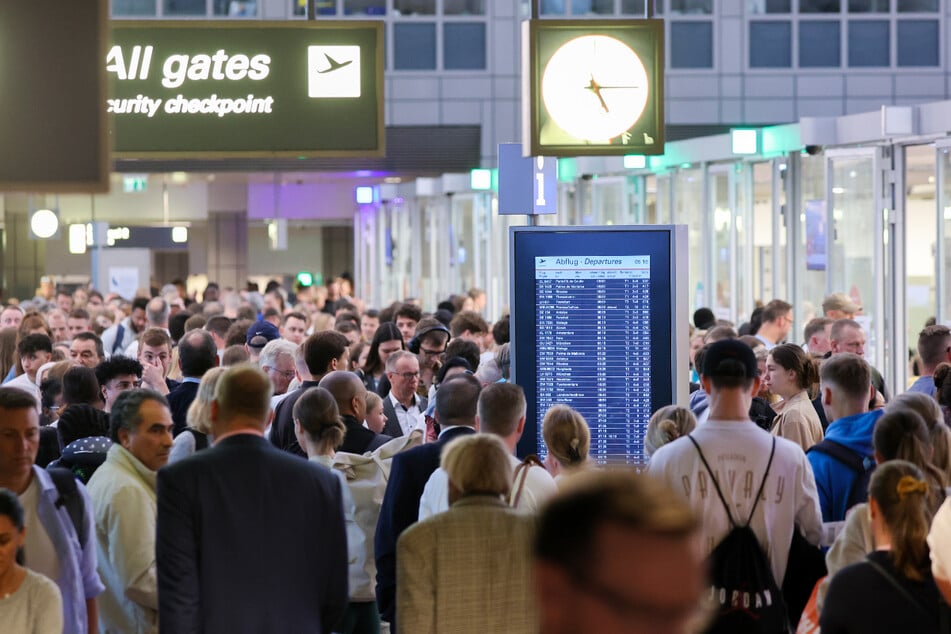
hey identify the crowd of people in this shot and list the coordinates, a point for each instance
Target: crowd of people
(275, 462)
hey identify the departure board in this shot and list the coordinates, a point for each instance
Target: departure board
(594, 327)
(585, 306)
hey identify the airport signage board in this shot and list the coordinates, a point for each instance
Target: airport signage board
(208, 89)
(52, 127)
(592, 87)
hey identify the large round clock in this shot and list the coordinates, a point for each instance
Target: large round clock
(595, 88)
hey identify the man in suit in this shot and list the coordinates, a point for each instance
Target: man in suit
(351, 395)
(403, 407)
(215, 510)
(321, 353)
(196, 355)
(456, 414)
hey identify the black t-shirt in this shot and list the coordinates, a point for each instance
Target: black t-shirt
(860, 599)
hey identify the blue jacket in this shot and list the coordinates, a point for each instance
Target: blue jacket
(834, 480)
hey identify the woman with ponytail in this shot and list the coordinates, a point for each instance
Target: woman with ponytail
(666, 425)
(568, 439)
(790, 373)
(900, 434)
(892, 590)
(940, 434)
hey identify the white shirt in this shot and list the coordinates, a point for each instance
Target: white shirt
(939, 540)
(411, 418)
(24, 383)
(39, 551)
(737, 452)
(539, 486)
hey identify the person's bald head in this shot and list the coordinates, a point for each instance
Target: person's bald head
(349, 392)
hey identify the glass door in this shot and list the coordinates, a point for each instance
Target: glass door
(943, 238)
(921, 238)
(855, 243)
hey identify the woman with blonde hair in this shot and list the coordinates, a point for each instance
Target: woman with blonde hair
(893, 589)
(568, 439)
(197, 435)
(666, 425)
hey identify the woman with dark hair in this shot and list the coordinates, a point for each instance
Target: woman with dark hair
(900, 434)
(386, 340)
(29, 602)
(893, 589)
(790, 373)
(81, 415)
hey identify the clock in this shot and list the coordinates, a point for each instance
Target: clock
(593, 87)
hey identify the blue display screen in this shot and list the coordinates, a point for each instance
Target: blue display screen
(592, 329)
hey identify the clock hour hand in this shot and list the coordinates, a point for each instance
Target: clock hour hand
(596, 89)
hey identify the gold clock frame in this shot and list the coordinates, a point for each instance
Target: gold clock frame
(645, 37)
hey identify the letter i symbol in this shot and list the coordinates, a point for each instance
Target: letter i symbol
(146, 62)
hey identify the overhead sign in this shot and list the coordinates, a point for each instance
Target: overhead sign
(245, 89)
(593, 87)
(526, 185)
(52, 128)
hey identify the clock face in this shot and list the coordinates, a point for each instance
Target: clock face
(595, 88)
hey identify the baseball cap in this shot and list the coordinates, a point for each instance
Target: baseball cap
(261, 332)
(718, 353)
(840, 301)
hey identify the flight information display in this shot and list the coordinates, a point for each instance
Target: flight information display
(594, 329)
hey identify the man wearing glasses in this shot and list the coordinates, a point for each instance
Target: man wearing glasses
(403, 407)
(429, 345)
(777, 322)
(277, 361)
(116, 375)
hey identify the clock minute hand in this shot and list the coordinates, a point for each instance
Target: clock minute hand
(596, 89)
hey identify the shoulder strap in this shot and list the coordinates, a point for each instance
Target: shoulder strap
(759, 493)
(201, 440)
(521, 474)
(726, 507)
(897, 586)
(120, 335)
(840, 452)
(69, 497)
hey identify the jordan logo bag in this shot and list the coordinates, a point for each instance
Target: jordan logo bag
(744, 592)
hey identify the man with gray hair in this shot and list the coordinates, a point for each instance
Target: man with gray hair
(277, 361)
(123, 498)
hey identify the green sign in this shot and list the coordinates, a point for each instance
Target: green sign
(245, 89)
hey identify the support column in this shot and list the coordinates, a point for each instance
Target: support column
(228, 248)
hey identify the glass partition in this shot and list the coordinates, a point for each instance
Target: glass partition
(812, 256)
(689, 210)
(944, 235)
(764, 248)
(723, 205)
(921, 237)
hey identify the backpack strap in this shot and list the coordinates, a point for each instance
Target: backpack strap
(521, 474)
(201, 440)
(726, 507)
(120, 335)
(840, 452)
(70, 498)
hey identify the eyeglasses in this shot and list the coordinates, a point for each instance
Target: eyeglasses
(408, 376)
(289, 375)
(432, 353)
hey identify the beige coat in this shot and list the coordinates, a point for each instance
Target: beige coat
(798, 421)
(467, 570)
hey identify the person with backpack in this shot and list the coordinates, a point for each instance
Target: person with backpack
(843, 461)
(60, 536)
(893, 589)
(753, 490)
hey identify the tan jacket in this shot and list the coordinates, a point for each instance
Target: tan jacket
(467, 570)
(798, 421)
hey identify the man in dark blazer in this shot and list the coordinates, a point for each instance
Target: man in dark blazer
(351, 395)
(456, 414)
(402, 369)
(322, 352)
(196, 355)
(217, 509)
